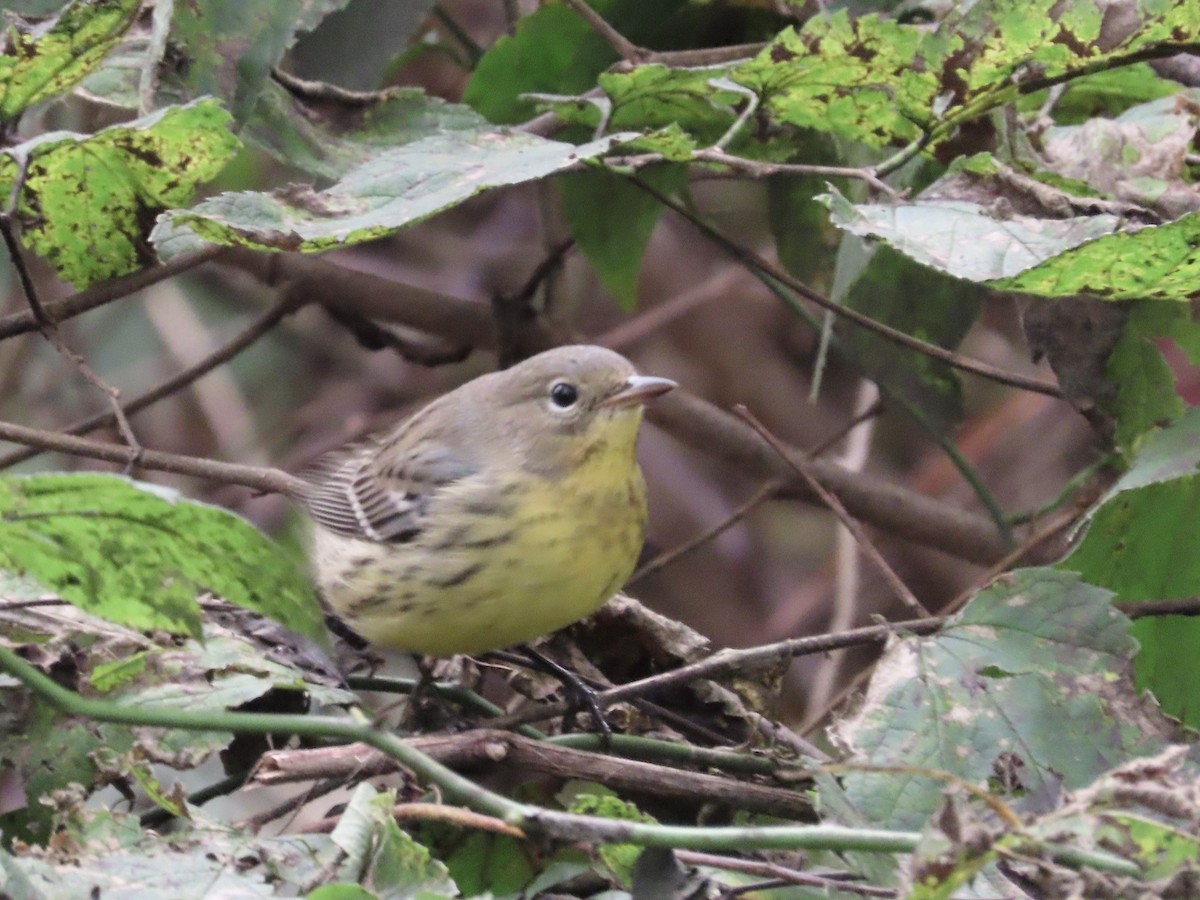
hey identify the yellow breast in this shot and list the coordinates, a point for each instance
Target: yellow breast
(505, 558)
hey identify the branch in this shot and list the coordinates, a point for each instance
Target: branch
(339, 287)
(528, 818)
(751, 168)
(802, 468)
(105, 292)
(624, 48)
(272, 481)
(223, 354)
(491, 751)
(748, 257)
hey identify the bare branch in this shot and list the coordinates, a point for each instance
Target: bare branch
(59, 311)
(801, 467)
(223, 354)
(271, 481)
(625, 48)
(748, 257)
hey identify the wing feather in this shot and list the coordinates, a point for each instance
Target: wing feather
(375, 491)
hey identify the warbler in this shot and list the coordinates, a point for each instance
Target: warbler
(502, 511)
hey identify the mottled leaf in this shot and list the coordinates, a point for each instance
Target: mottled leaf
(42, 61)
(880, 82)
(962, 239)
(1156, 262)
(139, 555)
(233, 663)
(330, 144)
(109, 854)
(396, 188)
(1142, 543)
(87, 201)
(1026, 685)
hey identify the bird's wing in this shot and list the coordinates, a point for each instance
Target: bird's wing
(354, 493)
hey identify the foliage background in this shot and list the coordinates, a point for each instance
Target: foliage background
(1023, 152)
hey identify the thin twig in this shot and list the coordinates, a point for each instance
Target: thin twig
(759, 169)
(749, 658)
(291, 804)
(629, 332)
(105, 292)
(869, 413)
(48, 327)
(325, 92)
(429, 812)
(901, 590)
(255, 330)
(272, 481)
(664, 559)
(765, 491)
(748, 257)
(728, 660)
(782, 873)
(624, 48)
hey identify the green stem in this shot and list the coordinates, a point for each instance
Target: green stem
(563, 826)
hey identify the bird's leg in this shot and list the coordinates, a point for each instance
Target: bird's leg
(578, 693)
(420, 689)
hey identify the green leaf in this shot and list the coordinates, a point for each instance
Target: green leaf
(657, 97)
(305, 136)
(383, 857)
(940, 310)
(1145, 385)
(396, 188)
(1106, 93)
(1027, 680)
(612, 220)
(109, 854)
(87, 200)
(230, 46)
(137, 554)
(803, 236)
(346, 47)
(620, 859)
(483, 862)
(1142, 543)
(963, 239)
(1156, 262)
(341, 891)
(43, 61)
(553, 50)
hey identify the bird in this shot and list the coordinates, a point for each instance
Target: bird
(502, 511)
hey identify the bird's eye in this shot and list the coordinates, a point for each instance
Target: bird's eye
(564, 394)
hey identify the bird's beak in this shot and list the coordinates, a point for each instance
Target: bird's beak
(638, 389)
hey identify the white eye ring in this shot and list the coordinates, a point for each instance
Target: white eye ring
(563, 396)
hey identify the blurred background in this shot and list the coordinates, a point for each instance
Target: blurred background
(700, 319)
